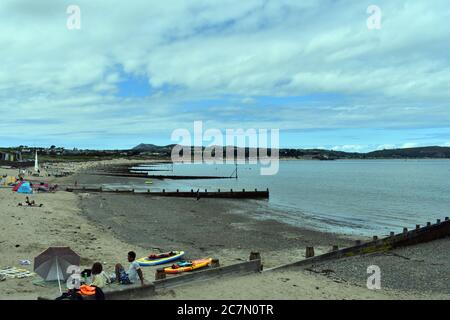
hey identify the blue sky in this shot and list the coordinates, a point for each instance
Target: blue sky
(136, 71)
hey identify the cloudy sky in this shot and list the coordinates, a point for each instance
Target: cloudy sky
(137, 70)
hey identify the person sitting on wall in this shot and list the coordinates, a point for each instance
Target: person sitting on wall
(130, 276)
(99, 277)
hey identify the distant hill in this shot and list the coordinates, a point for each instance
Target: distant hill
(409, 153)
(420, 153)
(151, 148)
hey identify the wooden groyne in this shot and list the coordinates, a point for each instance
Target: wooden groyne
(229, 194)
(420, 234)
(159, 177)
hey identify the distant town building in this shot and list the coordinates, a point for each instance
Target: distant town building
(10, 156)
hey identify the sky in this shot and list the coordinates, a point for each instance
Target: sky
(137, 70)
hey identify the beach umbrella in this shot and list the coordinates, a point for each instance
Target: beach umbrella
(52, 264)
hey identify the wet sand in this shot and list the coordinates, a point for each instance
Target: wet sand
(220, 228)
(226, 229)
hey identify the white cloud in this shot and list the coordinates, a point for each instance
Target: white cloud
(409, 145)
(386, 147)
(350, 148)
(395, 77)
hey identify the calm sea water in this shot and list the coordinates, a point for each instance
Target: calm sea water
(353, 197)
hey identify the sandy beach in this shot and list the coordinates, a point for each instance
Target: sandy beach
(104, 227)
(26, 232)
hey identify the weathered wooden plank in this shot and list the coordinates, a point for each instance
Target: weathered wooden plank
(239, 269)
(416, 236)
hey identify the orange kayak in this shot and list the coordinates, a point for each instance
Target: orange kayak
(186, 266)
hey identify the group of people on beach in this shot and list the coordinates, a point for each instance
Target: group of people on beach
(134, 273)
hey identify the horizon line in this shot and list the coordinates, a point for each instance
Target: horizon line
(229, 146)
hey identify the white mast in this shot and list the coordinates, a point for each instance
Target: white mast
(36, 164)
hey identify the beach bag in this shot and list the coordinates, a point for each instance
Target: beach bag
(70, 295)
(86, 290)
(99, 294)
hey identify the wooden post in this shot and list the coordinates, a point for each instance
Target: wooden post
(164, 190)
(243, 190)
(417, 226)
(309, 252)
(215, 263)
(160, 274)
(255, 256)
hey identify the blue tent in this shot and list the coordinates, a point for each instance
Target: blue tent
(25, 188)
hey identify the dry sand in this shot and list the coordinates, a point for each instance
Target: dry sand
(294, 284)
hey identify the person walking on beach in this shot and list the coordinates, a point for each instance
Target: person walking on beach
(134, 271)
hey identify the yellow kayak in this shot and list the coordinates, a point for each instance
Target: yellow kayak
(185, 266)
